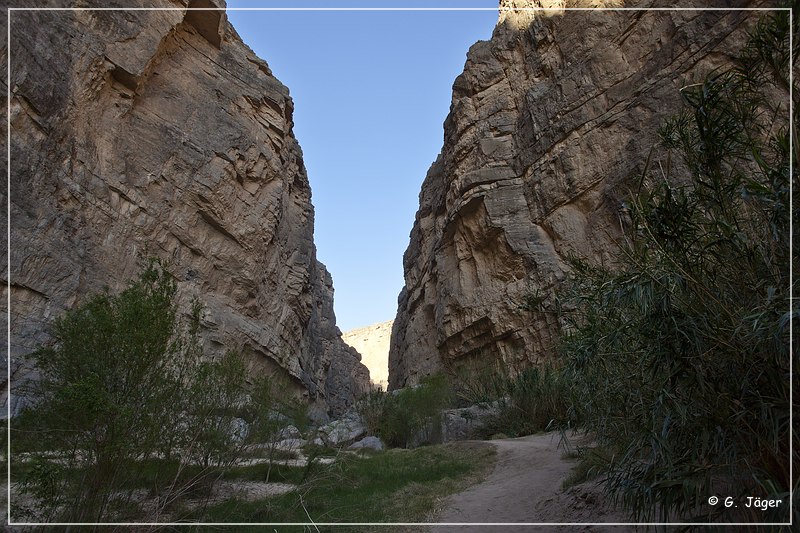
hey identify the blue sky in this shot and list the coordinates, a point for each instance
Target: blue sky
(371, 91)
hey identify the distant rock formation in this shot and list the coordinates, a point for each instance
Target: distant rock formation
(372, 342)
(547, 122)
(159, 133)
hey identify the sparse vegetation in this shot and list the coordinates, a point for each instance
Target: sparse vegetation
(394, 486)
(410, 416)
(133, 424)
(534, 400)
(476, 383)
(537, 399)
(125, 401)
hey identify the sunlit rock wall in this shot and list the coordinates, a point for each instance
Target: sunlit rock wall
(548, 121)
(372, 342)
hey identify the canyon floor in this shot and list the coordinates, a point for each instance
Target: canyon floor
(525, 486)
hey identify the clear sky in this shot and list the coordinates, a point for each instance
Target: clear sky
(371, 91)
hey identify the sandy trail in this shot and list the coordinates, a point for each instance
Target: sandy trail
(525, 487)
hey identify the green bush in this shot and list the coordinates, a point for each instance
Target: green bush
(537, 399)
(533, 400)
(410, 416)
(474, 382)
(679, 353)
(271, 408)
(105, 392)
(371, 406)
(123, 386)
(216, 397)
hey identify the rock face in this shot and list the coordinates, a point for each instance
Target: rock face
(463, 423)
(548, 121)
(159, 133)
(372, 342)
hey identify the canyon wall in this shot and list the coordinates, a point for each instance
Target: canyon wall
(549, 121)
(138, 134)
(372, 342)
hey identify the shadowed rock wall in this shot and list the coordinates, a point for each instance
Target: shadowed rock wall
(159, 133)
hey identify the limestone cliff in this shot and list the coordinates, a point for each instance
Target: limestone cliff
(159, 133)
(372, 342)
(547, 121)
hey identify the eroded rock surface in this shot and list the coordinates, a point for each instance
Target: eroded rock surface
(159, 133)
(548, 121)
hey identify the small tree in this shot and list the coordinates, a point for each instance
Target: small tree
(270, 410)
(407, 417)
(218, 395)
(106, 387)
(122, 387)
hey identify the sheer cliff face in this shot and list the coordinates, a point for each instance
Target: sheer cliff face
(548, 120)
(143, 133)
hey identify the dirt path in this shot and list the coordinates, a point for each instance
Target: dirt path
(525, 487)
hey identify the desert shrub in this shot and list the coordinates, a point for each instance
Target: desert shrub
(270, 410)
(370, 407)
(410, 416)
(679, 352)
(104, 394)
(217, 395)
(122, 386)
(538, 398)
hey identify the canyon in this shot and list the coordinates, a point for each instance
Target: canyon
(160, 134)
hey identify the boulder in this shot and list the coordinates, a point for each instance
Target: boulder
(461, 424)
(290, 432)
(290, 444)
(238, 429)
(341, 432)
(370, 443)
